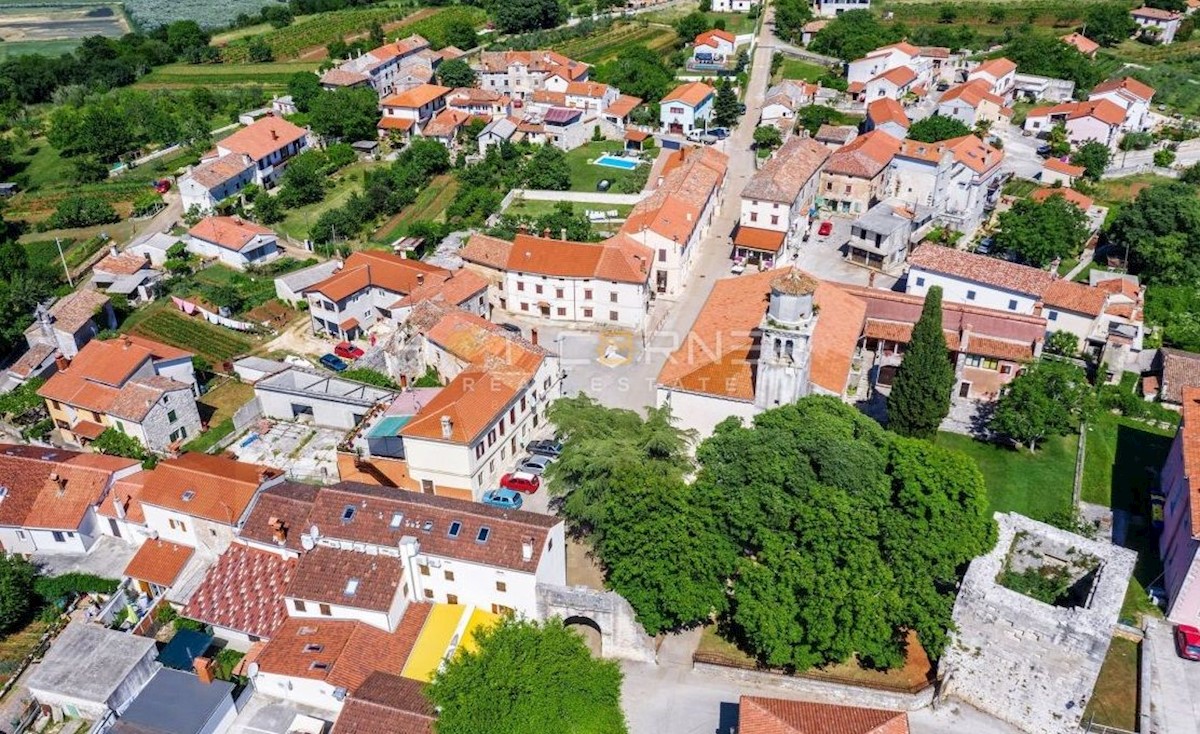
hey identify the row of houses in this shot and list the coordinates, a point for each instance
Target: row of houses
(1112, 110)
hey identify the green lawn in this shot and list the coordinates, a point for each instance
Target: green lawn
(430, 205)
(1114, 699)
(209, 75)
(42, 166)
(299, 221)
(51, 47)
(585, 176)
(257, 289)
(531, 208)
(736, 23)
(801, 69)
(1035, 485)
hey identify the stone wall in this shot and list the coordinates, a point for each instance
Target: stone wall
(620, 634)
(828, 691)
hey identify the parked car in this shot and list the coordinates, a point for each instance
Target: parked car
(511, 327)
(505, 499)
(708, 139)
(741, 108)
(1187, 642)
(1044, 151)
(346, 350)
(720, 133)
(535, 464)
(985, 245)
(695, 135)
(162, 185)
(333, 362)
(545, 447)
(603, 185)
(825, 229)
(521, 481)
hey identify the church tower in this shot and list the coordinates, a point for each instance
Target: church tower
(782, 372)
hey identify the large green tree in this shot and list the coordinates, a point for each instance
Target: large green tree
(790, 18)
(304, 86)
(1109, 23)
(849, 534)
(526, 677)
(548, 169)
(638, 71)
(920, 396)
(348, 114)
(854, 33)
(1161, 230)
(455, 73)
(1041, 231)
(1043, 54)
(527, 15)
(726, 106)
(16, 591)
(936, 128)
(1049, 398)
(1094, 157)
(303, 180)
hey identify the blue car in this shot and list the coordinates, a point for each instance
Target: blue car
(334, 362)
(505, 499)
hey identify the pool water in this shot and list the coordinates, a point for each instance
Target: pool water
(389, 426)
(612, 161)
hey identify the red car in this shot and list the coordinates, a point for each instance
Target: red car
(521, 481)
(163, 185)
(346, 350)
(1187, 642)
(825, 229)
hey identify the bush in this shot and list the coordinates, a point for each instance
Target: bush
(83, 211)
(370, 377)
(70, 585)
(1164, 158)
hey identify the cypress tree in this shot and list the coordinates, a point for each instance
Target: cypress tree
(920, 396)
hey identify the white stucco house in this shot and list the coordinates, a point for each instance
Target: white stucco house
(686, 108)
(233, 241)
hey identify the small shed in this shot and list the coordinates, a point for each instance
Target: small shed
(365, 147)
(175, 702)
(183, 649)
(635, 139)
(91, 670)
(253, 369)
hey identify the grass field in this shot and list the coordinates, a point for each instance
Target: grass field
(256, 289)
(800, 69)
(1114, 699)
(299, 221)
(532, 208)
(174, 76)
(1123, 457)
(53, 47)
(1035, 486)
(14, 647)
(222, 401)
(430, 205)
(736, 23)
(585, 176)
(612, 43)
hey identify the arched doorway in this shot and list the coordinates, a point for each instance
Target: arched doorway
(587, 628)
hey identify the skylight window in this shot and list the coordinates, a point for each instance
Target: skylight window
(455, 529)
(396, 520)
(189, 495)
(484, 533)
(348, 513)
(427, 525)
(318, 666)
(311, 647)
(351, 587)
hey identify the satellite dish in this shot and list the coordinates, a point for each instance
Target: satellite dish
(314, 532)
(306, 542)
(252, 669)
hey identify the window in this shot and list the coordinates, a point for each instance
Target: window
(613, 316)
(524, 306)
(587, 314)
(501, 586)
(299, 606)
(188, 496)
(501, 609)
(424, 570)
(1012, 304)
(59, 537)
(538, 289)
(774, 219)
(550, 544)
(753, 216)
(455, 529)
(326, 611)
(558, 292)
(587, 294)
(317, 665)
(451, 598)
(662, 256)
(970, 295)
(483, 534)
(920, 281)
(171, 416)
(177, 525)
(1053, 316)
(351, 587)
(429, 593)
(479, 449)
(449, 575)
(313, 647)
(562, 311)
(348, 513)
(520, 285)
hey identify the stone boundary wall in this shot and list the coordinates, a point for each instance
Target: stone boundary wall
(841, 693)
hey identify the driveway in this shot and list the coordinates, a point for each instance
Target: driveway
(674, 699)
(107, 558)
(1020, 152)
(1174, 704)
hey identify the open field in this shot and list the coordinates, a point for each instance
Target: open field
(585, 176)
(223, 400)
(613, 42)
(430, 205)
(56, 47)
(800, 69)
(214, 343)
(1114, 699)
(1035, 486)
(222, 39)
(16, 646)
(151, 13)
(175, 76)
(531, 208)
(53, 22)
(299, 220)
(989, 20)
(1123, 458)
(736, 23)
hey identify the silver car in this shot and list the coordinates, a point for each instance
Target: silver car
(535, 464)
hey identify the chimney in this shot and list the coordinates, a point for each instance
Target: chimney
(61, 362)
(522, 229)
(278, 531)
(125, 341)
(204, 669)
(447, 427)
(563, 234)
(420, 278)
(61, 481)
(119, 505)
(533, 336)
(527, 549)
(112, 250)
(146, 256)
(871, 280)
(274, 134)
(546, 233)
(267, 473)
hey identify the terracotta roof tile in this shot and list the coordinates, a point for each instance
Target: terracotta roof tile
(1154, 13)
(712, 37)
(344, 78)
(618, 258)
(214, 173)
(386, 704)
(988, 347)
(232, 233)
(214, 488)
(973, 93)
(691, 94)
(886, 109)
(865, 156)
(123, 263)
(456, 290)
(762, 240)
(783, 176)
(981, 269)
(691, 177)
(286, 504)
(1060, 166)
(72, 311)
(346, 577)
(53, 488)
(1080, 200)
(1189, 436)
(392, 273)
(33, 358)
(623, 105)
(758, 715)
(995, 68)
(899, 75)
(158, 561)
(1082, 43)
(127, 493)
(135, 399)
(416, 97)
(1126, 84)
(445, 123)
(395, 123)
(243, 591)
(1180, 370)
(262, 137)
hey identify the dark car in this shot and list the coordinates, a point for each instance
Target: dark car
(346, 350)
(511, 327)
(720, 133)
(333, 362)
(1187, 642)
(1044, 151)
(545, 447)
(603, 185)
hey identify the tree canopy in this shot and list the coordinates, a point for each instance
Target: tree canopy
(455, 73)
(1048, 398)
(692, 25)
(638, 71)
(848, 533)
(16, 591)
(347, 114)
(1109, 23)
(527, 15)
(1045, 55)
(1161, 229)
(303, 86)
(936, 128)
(790, 18)
(1093, 156)
(526, 677)
(853, 34)
(920, 396)
(1041, 231)
(726, 106)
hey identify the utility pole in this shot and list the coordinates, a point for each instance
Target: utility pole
(58, 244)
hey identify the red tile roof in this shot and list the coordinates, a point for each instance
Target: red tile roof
(995, 68)
(1180, 370)
(243, 591)
(1189, 436)
(386, 704)
(122, 263)
(460, 287)
(214, 173)
(691, 94)
(759, 715)
(416, 97)
(220, 488)
(762, 240)
(886, 109)
(1060, 166)
(395, 123)
(981, 269)
(287, 504)
(713, 37)
(618, 259)
(782, 178)
(232, 233)
(127, 493)
(327, 575)
(1082, 201)
(1082, 43)
(343, 654)
(864, 157)
(1155, 13)
(262, 137)
(52, 489)
(691, 177)
(158, 561)
(623, 105)
(71, 312)
(899, 75)
(973, 93)
(1126, 84)
(373, 269)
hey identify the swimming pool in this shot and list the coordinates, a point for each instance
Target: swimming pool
(613, 161)
(389, 426)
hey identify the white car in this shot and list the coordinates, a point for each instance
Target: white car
(535, 464)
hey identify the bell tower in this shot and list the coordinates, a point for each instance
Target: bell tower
(782, 372)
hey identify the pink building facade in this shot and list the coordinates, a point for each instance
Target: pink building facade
(1180, 538)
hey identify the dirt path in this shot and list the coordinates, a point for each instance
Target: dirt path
(319, 53)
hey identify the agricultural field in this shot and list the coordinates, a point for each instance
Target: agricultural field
(430, 205)
(182, 76)
(55, 29)
(214, 343)
(299, 220)
(990, 20)
(613, 42)
(148, 14)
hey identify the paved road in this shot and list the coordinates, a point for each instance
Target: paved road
(1175, 682)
